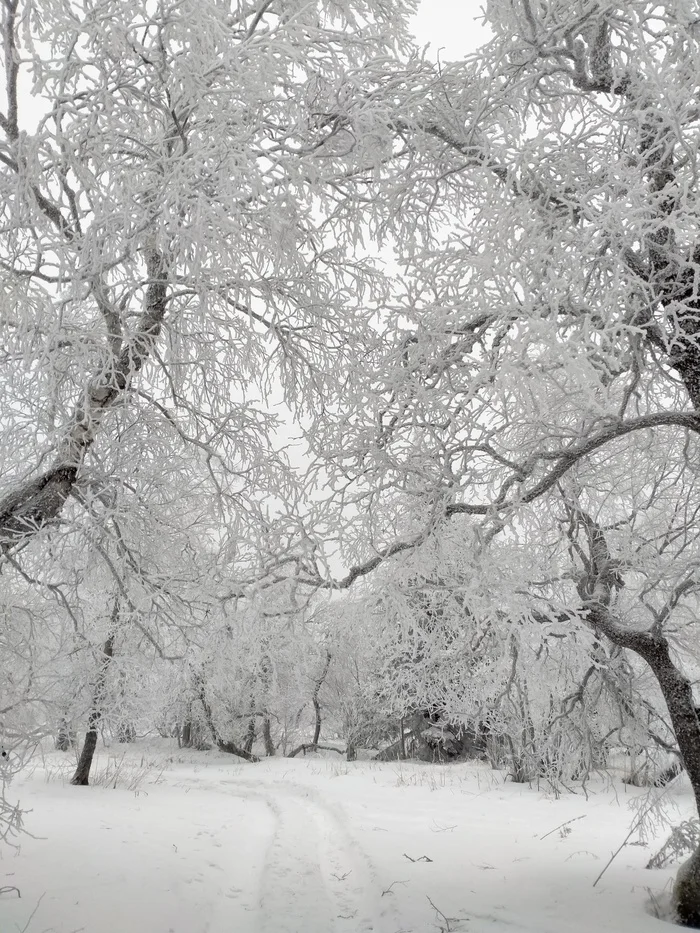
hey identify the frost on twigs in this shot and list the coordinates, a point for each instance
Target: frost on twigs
(684, 839)
(11, 821)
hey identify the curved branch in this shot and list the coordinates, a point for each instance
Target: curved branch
(566, 460)
(571, 455)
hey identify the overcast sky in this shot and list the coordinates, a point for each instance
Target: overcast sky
(455, 26)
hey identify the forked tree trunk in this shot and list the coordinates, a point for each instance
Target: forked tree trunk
(82, 772)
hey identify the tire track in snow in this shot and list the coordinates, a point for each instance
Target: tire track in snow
(316, 879)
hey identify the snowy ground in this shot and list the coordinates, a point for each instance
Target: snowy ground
(198, 843)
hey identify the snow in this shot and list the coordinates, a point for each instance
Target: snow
(196, 842)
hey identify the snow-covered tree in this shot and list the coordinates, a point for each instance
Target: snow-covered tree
(182, 259)
(540, 375)
(181, 241)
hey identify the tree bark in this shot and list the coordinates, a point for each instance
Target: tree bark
(82, 772)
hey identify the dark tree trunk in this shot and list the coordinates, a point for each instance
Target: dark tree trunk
(192, 735)
(677, 691)
(250, 735)
(185, 740)
(266, 677)
(267, 737)
(82, 772)
(597, 587)
(315, 700)
(678, 694)
(313, 746)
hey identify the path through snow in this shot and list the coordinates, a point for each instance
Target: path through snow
(210, 846)
(316, 877)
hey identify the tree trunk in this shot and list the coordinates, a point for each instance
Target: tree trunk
(267, 737)
(678, 694)
(82, 772)
(402, 741)
(266, 677)
(597, 588)
(315, 701)
(185, 740)
(250, 735)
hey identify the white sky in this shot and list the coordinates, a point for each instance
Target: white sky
(452, 27)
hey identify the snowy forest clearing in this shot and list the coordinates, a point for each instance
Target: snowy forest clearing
(192, 842)
(348, 394)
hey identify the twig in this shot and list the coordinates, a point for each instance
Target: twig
(448, 920)
(582, 852)
(31, 915)
(421, 858)
(656, 906)
(389, 891)
(6, 888)
(565, 823)
(635, 825)
(616, 853)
